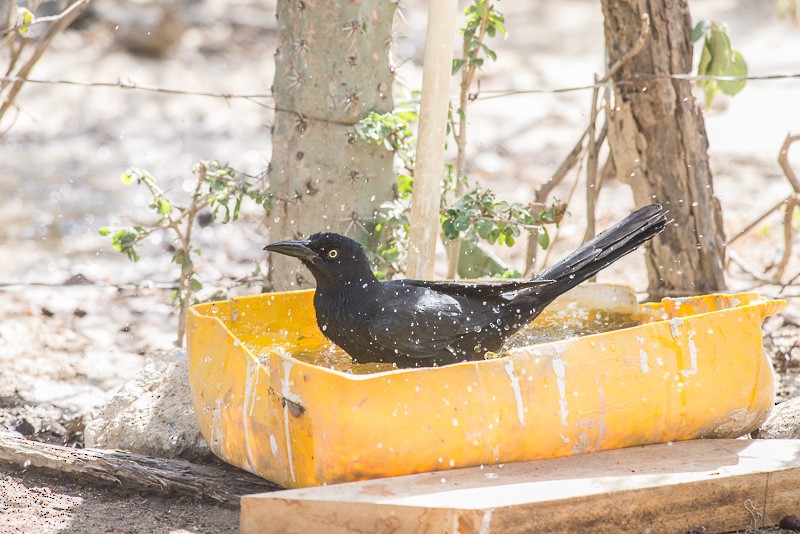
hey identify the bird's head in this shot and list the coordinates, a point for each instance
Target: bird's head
(333, 259)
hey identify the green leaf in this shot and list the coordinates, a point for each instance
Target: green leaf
(126, 178)
(489, 52)
(132, 254)
(484, 228)
(195, 284)
(461, 223)
(163, 206)
(124, 238)
(705, 61)
(182, 258)
(544, 237)
(449, 229)
(737, 67)
(105, 230)
(24, 19)
(408, 116)
(720, 52)
(457, 64)
(700, 30)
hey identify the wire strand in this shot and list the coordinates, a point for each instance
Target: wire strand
(483, 95)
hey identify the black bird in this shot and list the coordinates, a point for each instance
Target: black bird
(420, 323)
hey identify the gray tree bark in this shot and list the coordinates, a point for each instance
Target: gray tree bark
(332, 67)
(659, 145)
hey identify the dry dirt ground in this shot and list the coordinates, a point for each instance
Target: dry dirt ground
(77, 319)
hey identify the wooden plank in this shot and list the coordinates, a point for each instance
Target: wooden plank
(723, 485)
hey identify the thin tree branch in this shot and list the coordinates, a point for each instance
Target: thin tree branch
(788, 232)
(42, 20)
(544, 190)
(66, 18)
(591, 168)
(757, 221)
(783, 160)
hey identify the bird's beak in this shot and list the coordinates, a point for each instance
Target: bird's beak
(297, 249)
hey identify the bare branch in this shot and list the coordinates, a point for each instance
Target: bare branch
(788, 232)
(783, 160)
(757, 221)
(62, 22)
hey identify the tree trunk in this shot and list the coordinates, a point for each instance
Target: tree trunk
(659, 145)
(331, 68)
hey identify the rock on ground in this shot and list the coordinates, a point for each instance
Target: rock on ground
(783, 422)
(152, 414)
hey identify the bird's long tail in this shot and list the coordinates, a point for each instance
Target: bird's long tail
(606, 248)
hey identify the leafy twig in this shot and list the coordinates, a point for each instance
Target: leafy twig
(216, 188)
(718, 58)
(482, 19)
(61, 22)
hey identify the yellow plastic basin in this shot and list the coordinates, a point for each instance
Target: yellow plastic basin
(696, 370)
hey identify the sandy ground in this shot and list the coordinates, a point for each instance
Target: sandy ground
(66, 345)
(41, 502)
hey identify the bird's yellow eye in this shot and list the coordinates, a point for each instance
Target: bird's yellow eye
(333, 253)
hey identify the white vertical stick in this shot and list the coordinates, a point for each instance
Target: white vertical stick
(429, 166)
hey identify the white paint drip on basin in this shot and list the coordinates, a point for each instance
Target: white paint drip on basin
(674, 326)
(288, 441)
(250, 382)
(692, 356)
(560, 370)
(287, 367)
(643, 356)
(509, 368)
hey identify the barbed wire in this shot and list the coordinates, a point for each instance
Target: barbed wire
(130, 85)
(484, 94)
(498, 93)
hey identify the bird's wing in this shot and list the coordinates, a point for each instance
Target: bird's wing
(482, 289)
(419, 322)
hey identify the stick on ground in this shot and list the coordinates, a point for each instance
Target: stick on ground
(220, 483)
